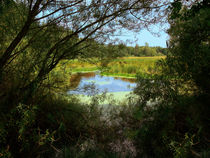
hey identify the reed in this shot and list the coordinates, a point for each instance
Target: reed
(124, 66)
(130, 66)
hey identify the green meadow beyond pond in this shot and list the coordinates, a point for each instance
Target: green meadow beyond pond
(122, 67)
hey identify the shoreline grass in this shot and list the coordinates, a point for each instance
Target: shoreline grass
(119, 75)
(127, 67)
(131, 66)
(80, 70)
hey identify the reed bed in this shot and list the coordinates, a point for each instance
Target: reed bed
(124, 66)
(130, 66)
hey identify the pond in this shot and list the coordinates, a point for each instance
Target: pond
(93, 83)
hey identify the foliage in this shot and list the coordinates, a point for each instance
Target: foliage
(36, 118)
(62, 126)
(189, 45)
(173, 108)
(140, 51)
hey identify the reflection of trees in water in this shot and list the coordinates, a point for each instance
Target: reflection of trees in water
(76, 78)
(130, 80)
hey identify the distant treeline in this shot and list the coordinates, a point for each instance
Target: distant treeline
(140, 51)
(110, 51)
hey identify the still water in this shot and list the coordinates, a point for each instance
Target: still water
(92, 83)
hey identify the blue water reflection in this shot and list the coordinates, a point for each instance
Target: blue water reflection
(95, 83)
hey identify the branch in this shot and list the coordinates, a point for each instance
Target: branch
(58, 11)
(7, 54)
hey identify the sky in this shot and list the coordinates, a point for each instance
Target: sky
(155, 37)
(144, 36)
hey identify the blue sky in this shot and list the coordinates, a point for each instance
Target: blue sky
(144, 36)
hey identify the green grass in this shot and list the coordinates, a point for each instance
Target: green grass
(85, 69)
(78, 66)
(130, 66)
(119, 75)
(120, 67)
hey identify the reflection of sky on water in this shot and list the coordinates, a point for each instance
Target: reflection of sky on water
(103, 83)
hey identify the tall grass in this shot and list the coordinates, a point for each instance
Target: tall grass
(124, 66)
(130, 66)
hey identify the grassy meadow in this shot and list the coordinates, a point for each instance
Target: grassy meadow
(124, 66)
(130, 66)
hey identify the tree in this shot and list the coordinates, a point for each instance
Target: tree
(189, 43)
(161, 51)
(136, 50)
(49, 31)
(176, 125)
(148, 51)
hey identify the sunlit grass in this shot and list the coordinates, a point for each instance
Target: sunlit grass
(124, 66)
(130, 66)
